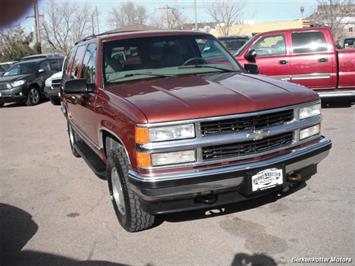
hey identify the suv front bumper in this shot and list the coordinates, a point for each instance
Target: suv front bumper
(16, 94)
(181, 191)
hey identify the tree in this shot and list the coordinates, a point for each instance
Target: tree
(226, 13)
(14, 44)
(336, 14)
(127, 14)
(171, 18)
(66, 23)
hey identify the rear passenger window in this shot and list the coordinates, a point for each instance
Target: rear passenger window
(45, 66)
(77, 62)
(89, 63)
(56, 64)
(308, 42)
(270, 46)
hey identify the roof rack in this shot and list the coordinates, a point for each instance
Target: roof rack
(103, 33)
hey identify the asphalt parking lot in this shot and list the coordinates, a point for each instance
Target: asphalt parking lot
(55, 211)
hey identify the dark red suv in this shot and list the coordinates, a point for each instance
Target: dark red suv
(174, 124)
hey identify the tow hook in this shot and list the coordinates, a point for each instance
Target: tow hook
(206, 199)
(294, 177)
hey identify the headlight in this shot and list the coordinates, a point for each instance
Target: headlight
(146, 135)
(309, 111)
(173, 157)
(18, 83)
(309, 132)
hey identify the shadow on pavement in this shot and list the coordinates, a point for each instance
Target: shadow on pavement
(209, 212)
(242, 259)
(16, 229)
(15, 104)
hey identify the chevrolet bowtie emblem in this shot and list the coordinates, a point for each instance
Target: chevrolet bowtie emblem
(258, 134)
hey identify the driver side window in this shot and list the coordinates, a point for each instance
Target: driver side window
(270, 46)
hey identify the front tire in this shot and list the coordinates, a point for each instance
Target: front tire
(125, 202)
(33, 96)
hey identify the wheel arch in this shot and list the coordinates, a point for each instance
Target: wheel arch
(105, 133)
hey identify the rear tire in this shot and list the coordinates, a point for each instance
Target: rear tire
(125, 202)
(73, 138)
(33, 96)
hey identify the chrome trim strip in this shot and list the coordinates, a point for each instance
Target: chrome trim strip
(311, 76)
(336, 93)
(220, 139)
(248, 166)
(225, 117)
(201, 162)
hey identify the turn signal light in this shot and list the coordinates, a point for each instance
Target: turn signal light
(142, 135)
(143, 159)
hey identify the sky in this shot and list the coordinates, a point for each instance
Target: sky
(255, 10)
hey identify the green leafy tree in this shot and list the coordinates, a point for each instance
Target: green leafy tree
(14, 44)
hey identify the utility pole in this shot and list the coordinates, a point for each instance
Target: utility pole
(167, 8)
(195, 7)
(36, 16)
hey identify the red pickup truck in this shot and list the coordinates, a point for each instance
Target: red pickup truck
(174, 123)
(304, 56)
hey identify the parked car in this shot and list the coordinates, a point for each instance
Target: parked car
(304, 56)
(176, 124)
(345, 43)
(56, 60)
(4, 66)
(233, 43)
(24, 81)
(52, 86)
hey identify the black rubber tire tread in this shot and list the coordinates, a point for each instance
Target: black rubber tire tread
(73, 150)
(135, 218)
(28, 100)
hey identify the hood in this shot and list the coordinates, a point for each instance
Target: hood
(14, 78)
(57, 75)
(198, 96)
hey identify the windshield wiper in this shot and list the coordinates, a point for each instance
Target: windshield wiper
(209, 66)
(128, 75)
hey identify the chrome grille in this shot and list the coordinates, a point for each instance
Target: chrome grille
(3, 86)
(246, 123)
(247, 147)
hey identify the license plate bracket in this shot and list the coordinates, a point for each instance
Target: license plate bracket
(263, 179)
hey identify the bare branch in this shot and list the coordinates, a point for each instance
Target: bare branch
(227, 13)
(336, 14)
(127, 14)
(65, 23)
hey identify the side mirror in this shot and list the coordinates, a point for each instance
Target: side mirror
(250, 55)
(252, 68)
(41, 70)
(77, 86)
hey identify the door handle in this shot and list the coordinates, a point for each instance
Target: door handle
(322, 60)
(283, 62)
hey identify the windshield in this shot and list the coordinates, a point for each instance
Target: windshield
(156, 57)
(20, 69)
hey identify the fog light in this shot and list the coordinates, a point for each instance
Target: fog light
(173, 157)
(309, 131)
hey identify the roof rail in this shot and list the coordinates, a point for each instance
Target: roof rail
(103, 33)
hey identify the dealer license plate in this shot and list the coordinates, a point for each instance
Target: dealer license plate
(267, 179)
